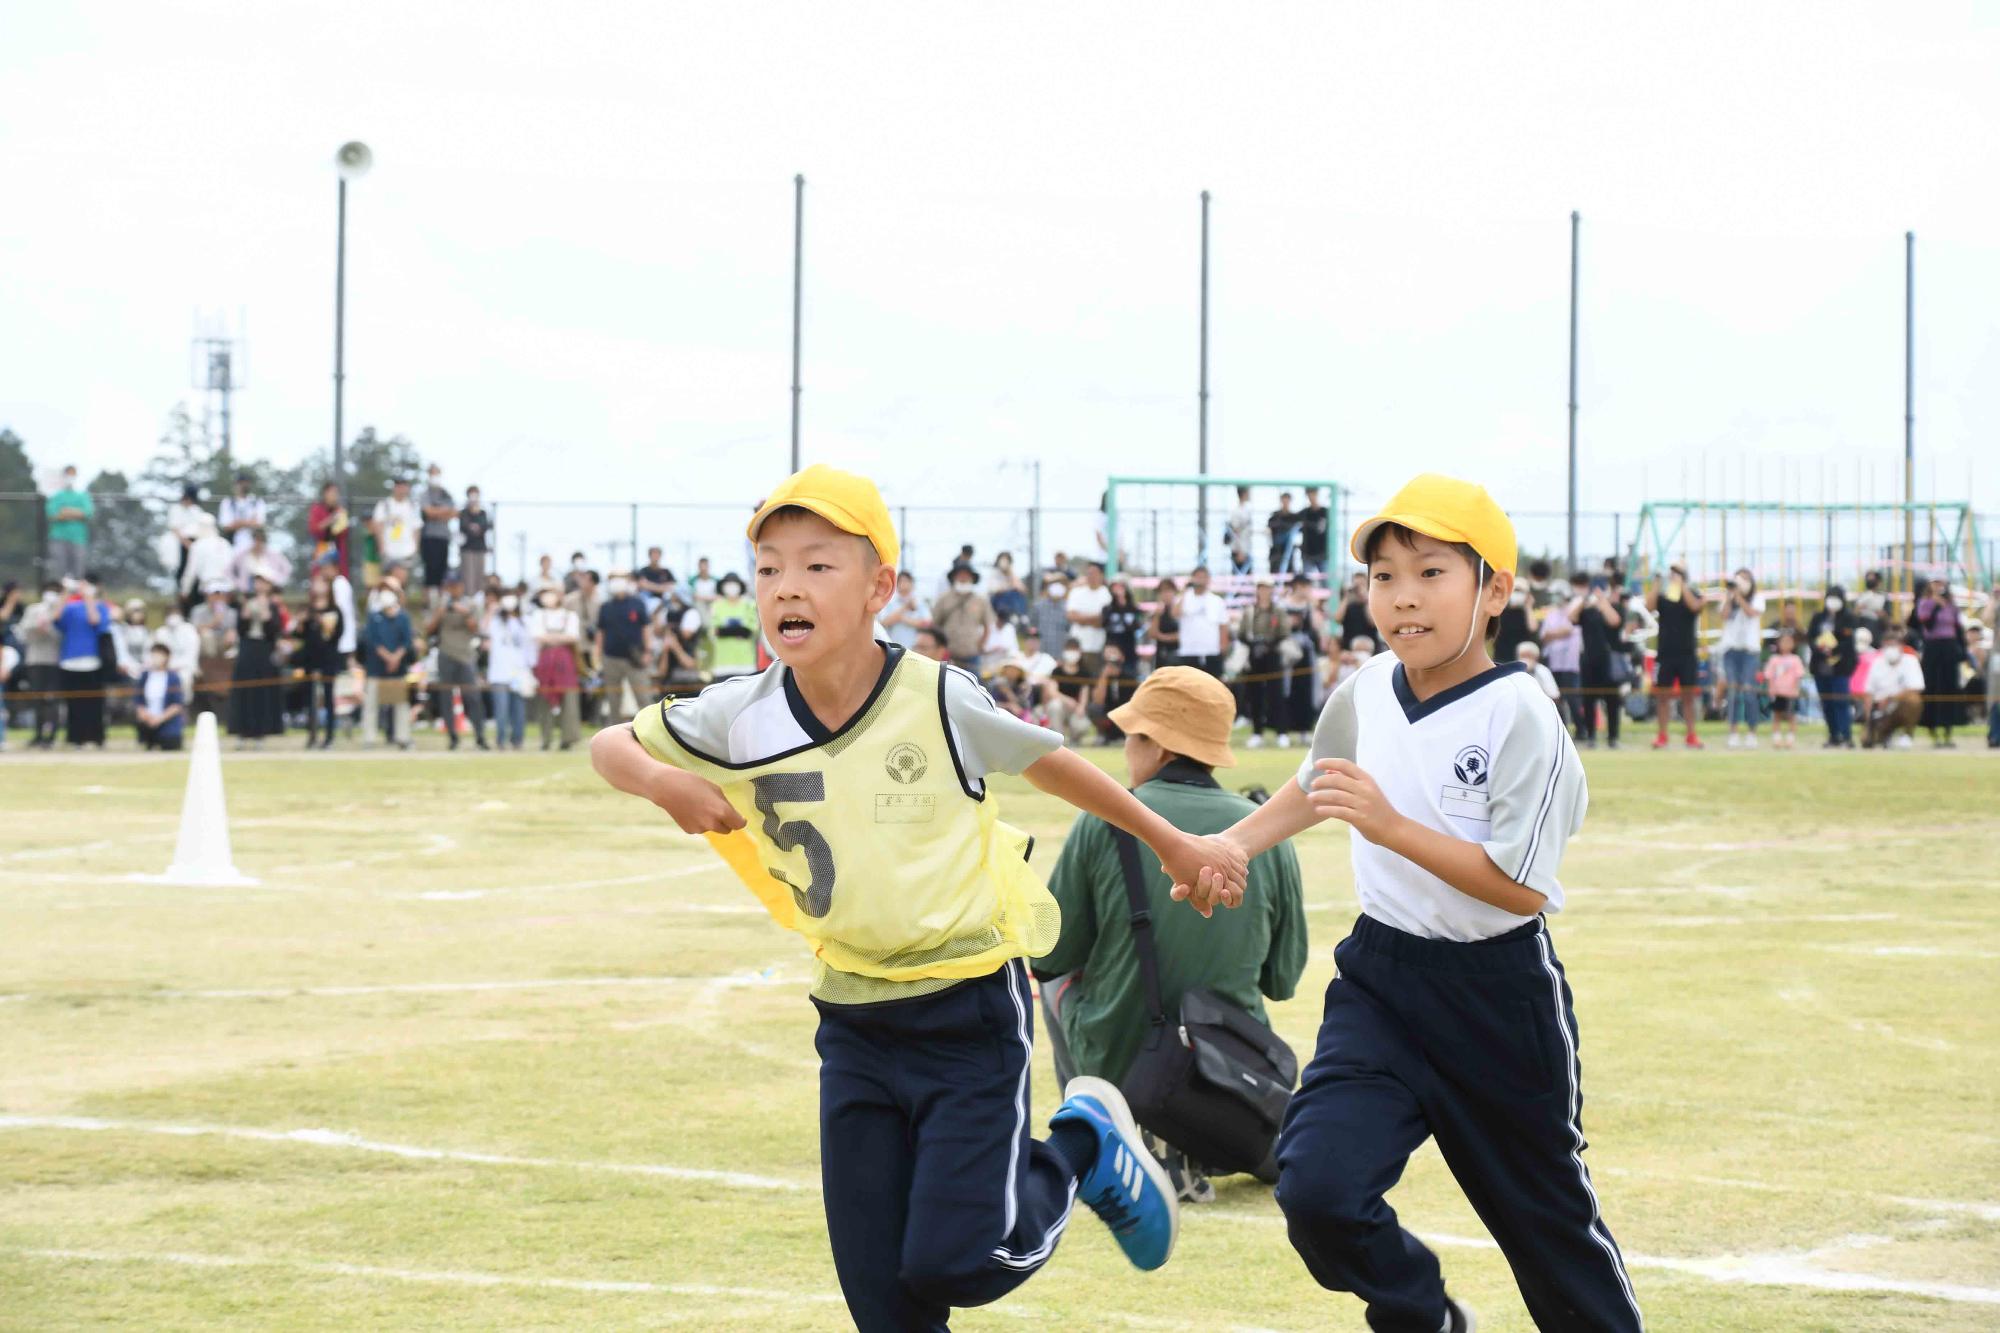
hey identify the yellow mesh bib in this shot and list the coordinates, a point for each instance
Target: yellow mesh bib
(872, 847)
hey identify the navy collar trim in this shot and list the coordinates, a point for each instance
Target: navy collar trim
(809, 722)
(1416, 710)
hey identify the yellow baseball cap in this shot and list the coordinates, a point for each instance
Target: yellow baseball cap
(1451, 511)
(849, 502)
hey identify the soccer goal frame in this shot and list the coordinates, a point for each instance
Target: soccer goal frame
(1336, 498)
(1935, 535)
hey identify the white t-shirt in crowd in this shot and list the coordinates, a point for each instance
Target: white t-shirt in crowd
(1888, 679)
(1085, 600)
(1744, 632)
(1488, 761)
(1202, 616)
(1242, 520)
(240, 509)
(400, 520)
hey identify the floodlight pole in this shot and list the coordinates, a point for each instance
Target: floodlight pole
(798, 291)
(1909, 407)
(1201, 492)
(340, 343)
(1575, 223)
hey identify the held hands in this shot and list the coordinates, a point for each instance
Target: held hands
(1344, 791)
(696, 804)
(1208, 872)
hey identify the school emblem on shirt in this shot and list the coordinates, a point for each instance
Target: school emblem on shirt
(907, 763)
(1472, 765)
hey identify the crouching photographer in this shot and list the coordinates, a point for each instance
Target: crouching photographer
(1143, 992)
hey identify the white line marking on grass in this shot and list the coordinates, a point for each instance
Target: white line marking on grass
(436, 844)
(563, 886)
(423, 988)
(1905, 951)
(1782, 1269)
(445, 1277)
(1805, 998)
(1987, 1212)
(605, 1286)
(330, 1138)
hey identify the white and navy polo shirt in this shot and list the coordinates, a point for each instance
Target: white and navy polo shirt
(1487, 760)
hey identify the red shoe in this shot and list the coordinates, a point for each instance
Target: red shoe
(1694, 742)
(1660, 741)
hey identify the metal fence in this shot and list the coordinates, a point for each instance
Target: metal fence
(126, 536)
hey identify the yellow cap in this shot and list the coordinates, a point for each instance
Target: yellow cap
(849, 502)
(1451, 511)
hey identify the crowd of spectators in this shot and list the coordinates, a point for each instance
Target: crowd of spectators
(398, 615)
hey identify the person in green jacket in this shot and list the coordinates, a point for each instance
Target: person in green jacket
(70, 511)
(1176, 734)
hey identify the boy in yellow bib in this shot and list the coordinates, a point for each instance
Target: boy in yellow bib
(846, 786)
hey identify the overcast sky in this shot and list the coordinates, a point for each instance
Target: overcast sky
(570, 271)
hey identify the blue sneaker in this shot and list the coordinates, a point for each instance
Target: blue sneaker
(1126, 1186)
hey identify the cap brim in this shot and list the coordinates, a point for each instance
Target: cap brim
(832, 513)
(1430, 527)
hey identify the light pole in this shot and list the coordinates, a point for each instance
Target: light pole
(351, 163)
(1575, 224)
(798, 291)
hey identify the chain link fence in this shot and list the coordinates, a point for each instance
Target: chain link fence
(131, 551)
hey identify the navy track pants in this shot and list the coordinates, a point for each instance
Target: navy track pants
(1475, 1045)
(936, 1194)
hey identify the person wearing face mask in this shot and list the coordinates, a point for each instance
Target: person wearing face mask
(621, 647)
(1742, 649)
(577, 565)
(1895, 695)
(84, 621)
(732, 630)
(1050, 612)
(1831, 637)
(1087, 604)
(387, 644)
(557, 631)
(510, 669)
(964, 617)
(183, 645)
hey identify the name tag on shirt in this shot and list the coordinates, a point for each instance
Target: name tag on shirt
(1466, 803)
(892, 808)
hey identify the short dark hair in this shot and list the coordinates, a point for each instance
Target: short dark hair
(1408, 538)
(1539, 569)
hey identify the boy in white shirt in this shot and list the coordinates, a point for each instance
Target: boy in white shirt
(1450, 1017)
(1204, 618)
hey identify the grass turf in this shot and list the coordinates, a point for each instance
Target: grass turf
(1784, 966)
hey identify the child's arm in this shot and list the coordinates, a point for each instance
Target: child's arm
(695, 803)
(1070, 777)
(1344, 791)
(1288, 813)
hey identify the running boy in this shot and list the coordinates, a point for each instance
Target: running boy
(846, 786)
(1450, 1016)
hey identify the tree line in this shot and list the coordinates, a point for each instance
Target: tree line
(132, 511)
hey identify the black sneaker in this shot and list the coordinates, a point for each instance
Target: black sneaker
(1458, 1318)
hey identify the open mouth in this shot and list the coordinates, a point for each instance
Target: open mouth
(794, 630)
(1410, 632)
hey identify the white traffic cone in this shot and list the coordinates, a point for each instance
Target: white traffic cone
(201, 856)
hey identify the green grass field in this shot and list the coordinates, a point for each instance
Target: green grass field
(492, 1047)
